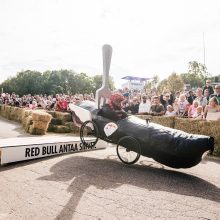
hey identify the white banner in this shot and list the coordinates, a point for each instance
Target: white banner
(12, 150)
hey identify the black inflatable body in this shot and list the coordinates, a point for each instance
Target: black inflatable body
(171, 147)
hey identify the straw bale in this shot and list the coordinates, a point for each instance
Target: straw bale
(40, 115)
(61, 129)
(27, 122)
(167, 121)
(187, 125)
(50, 128)
(7, 111)
(40, 125)
(56, 121)
(26, 113)
(52, 113)
(36, 131)
(73, 128)
(63, 116)
(12, 115)
(19, 114)
(3, 110)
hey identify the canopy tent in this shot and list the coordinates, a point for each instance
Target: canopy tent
(130, 78)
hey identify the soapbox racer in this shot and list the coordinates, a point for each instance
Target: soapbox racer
(134, 137)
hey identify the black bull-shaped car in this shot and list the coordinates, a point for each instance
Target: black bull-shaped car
(171, 147)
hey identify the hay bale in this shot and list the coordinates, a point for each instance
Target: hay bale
(61, 129)
(3, 110)
(40, 115)
(50, 128)
(14, 113)
(73, 128)
(167, 121)
(52, 113)
(26, 113)
(56, 121)
(187, 125)
(7, 111)
(41, 120)
(40, 125)
(19, 114)
(212, 128)
(36, 131)
(27, 122)
(63, 116)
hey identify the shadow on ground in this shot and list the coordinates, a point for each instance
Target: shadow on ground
(111, 174)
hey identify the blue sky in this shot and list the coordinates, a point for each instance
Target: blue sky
(148, 37)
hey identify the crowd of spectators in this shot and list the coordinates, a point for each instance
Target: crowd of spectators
(192, 104)
(58, 102)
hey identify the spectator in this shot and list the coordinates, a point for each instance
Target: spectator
(206, 94)
(199, 113)
(33, 105)
(170, 111)
(166, 99)
(212, 107)
(208, 86)
(182, 106)
(144, 106)
(191, 97)
(193, 109)
(157, 108)
(200, 98)
(177, 94)
(133, 106)
(61, 104)
(217, 93)
(176, 106)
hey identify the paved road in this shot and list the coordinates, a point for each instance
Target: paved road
(96, 185)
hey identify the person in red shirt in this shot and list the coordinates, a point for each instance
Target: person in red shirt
(61, 104)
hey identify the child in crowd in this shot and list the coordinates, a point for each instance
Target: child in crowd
(183, 106)
(193, 108)
(198, 114)
(170, 111)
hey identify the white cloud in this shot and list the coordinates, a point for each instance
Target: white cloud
(148, 37)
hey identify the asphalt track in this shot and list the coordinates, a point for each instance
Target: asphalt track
(96, 185)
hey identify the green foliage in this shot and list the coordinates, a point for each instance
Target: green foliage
(172, 84)
(53, 82)
(97, 82)
(197, 74)
(151, 85)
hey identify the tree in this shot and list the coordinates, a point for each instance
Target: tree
(162, 86)
(172, 84)
(197, 74)
(53, 82)
(97, 82)
(175, 83)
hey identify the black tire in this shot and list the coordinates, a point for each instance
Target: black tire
(128, 150)
(89, 130)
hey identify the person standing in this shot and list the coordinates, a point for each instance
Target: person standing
(157, 109)
(144, 106)
(200, 98)
(208, 86)
(191, 97)
(216, 94)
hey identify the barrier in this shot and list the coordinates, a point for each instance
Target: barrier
(20, 149)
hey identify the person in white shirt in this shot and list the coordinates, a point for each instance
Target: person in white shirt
(145, 105)
(170, 111)
(200, 98)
